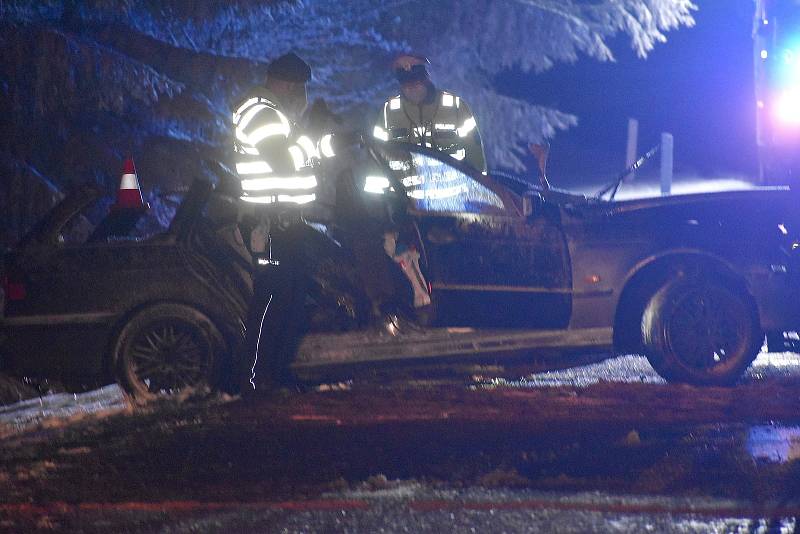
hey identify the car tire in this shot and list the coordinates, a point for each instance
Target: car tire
(167, 348)
(700, 332)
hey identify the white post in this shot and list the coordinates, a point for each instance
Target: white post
(633, 141)
(667, 148)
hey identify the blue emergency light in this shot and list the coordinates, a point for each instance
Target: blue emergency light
(786, 84)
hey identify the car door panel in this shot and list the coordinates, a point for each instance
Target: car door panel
(496, 271)
(488, 265)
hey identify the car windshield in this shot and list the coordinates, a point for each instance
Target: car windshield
(431, 182)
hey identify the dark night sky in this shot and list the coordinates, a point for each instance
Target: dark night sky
(698, 86)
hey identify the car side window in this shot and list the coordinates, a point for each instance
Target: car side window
(97, 223)
(437, 187)
(79, 227)
(76, 232)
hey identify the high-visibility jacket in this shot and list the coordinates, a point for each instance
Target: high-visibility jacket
(443, 122)
(272, 156)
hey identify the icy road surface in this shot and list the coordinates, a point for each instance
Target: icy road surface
(632, 369)
(404, 507)
(61, 408)
(66, 407)
(606, 447)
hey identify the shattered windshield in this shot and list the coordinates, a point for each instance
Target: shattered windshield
(432, 184)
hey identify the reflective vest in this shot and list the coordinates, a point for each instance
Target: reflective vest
(445, 123)
(272, 157)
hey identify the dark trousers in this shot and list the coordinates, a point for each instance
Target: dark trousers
(276, 315)
(373, 267)
(363, 223)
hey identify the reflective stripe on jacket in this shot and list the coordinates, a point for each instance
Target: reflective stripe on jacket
(271, 156)
(445, 123)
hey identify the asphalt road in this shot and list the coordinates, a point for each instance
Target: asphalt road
(602, 448)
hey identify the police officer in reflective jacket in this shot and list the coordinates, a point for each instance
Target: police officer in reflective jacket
(274, 160)
(424, 115)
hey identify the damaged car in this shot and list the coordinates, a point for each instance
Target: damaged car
(518, 275)
(87, 304)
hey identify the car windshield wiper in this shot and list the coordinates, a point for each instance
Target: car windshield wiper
(613, 187)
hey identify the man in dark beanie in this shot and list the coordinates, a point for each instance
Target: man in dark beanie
(275, 160)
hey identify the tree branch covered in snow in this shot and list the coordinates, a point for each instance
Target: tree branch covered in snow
(154, 75)
(468, 43)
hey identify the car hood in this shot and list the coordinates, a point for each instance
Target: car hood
(723, 216)
(779, 201)
(758, 196)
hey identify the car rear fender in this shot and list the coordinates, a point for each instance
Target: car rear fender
(231, 332)
(650, 274)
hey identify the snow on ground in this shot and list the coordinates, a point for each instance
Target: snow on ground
(634, 368)
(412, 489)
(417, 507)
(15, 390)
(65, 408)
(61, 408)
(624, 369)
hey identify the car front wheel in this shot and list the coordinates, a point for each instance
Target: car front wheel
(166, 348)
(700, 332)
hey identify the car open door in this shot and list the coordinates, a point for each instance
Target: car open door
(487, 263)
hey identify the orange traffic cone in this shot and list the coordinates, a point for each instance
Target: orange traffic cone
(129, 194)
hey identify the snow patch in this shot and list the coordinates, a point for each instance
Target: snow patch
(53, 411)
(378, 487)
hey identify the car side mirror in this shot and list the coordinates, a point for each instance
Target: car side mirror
(532, 202)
